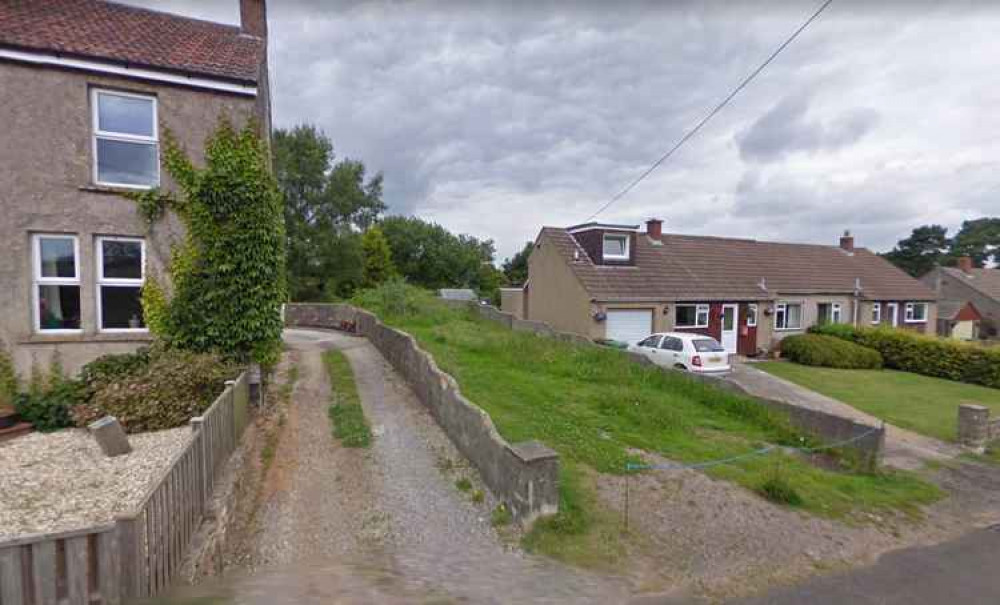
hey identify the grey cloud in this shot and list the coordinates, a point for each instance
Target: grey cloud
(787, 128)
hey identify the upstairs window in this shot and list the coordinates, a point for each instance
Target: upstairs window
(120, 263)
(615, 246)
(57, 283)
(916, 312)
(692, 316)
(126, 143)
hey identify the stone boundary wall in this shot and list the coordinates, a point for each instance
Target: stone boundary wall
(975, 427)
(525, 476)
(828, 428)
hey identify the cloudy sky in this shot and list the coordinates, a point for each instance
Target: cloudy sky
(493, 120)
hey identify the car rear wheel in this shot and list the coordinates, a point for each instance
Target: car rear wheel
(680, 366)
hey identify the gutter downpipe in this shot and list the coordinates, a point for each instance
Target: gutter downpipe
(857, 300)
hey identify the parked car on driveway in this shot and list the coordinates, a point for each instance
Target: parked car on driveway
(683, 351)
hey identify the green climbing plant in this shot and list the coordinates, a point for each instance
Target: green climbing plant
(228, 274)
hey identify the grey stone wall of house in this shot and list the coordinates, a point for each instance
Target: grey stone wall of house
(525, 475)
(975, 427)
(46, 186)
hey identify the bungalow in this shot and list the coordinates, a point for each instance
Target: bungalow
(981, 287)
(616, 282)
(958, 319)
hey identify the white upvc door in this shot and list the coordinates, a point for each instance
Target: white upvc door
(730, 327)
(893, 309)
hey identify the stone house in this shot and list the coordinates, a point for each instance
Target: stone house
(619, 283)
(966, 283)
(86, 90)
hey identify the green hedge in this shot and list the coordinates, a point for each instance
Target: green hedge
(829, 352)
(927, 355)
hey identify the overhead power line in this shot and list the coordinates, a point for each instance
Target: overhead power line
(712, 113)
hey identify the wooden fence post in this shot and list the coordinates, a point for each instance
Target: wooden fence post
(129, 557)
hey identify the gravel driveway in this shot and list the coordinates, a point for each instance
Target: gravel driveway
(390, 510)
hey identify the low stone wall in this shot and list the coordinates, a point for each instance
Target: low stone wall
(525, 476)
(528, 325)
(975, 427)
(868, 443)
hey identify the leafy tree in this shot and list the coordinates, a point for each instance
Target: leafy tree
(228, 275)
(378, 265)
(515, 269)
(925, 248)
(428, 255)
(326, 207)
(978, 239)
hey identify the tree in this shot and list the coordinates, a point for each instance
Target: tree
(516, 269)
(926, 247)
(228, 274)
(378, 265)
(978, 239)
(327, 205)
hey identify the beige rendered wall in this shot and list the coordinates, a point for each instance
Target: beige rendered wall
(768, 335)
(46, 187)
(512, 301)
(555, 295)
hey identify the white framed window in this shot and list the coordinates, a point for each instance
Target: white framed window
(836, 313)
(752, 315)
(56, 288)
(788, 316)
(691, 316)
(615, 246)
(121, 263)
(126, 144)
(916, 312)
(877, 313)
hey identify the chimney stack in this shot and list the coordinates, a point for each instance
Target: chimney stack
(654, 228)
(253, 17)
(847, 242)
(965, 264)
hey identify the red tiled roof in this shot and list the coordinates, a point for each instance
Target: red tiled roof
(686, 267)
(125, 34)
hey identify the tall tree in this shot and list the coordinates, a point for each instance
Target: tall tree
(378, 265)
(515, 269)
(926, 247)
(978, 239)
(327, 204)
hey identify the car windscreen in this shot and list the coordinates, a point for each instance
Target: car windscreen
(707, 345)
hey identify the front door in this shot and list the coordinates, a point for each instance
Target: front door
(730, 328)
(893, 309)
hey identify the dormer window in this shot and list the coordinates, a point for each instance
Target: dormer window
(616, 246)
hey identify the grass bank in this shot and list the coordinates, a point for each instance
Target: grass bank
(346, 413)
(923, 404)
(594, 406)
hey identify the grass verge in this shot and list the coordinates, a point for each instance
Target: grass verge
(595, 407)
(346, 413)
(922, 404)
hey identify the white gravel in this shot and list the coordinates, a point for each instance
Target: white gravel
(62, 481)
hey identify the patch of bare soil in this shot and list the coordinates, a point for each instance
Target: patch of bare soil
(694, 536)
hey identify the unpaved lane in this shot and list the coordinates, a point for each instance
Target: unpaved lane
(389, 508)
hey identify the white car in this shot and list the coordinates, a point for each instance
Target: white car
(683, 351)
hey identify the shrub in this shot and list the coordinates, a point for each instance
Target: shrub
(927, 355)
(111, 368)
(9, 381)
(396, 298)
(173, 387)
(830, 352)
(48, 409)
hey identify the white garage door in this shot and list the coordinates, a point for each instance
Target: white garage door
(629, 326)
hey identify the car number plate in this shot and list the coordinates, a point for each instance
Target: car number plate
(715, 359)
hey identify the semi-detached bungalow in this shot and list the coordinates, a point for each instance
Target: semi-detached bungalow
(619, 283)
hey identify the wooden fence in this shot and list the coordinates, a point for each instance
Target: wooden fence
(138, 554)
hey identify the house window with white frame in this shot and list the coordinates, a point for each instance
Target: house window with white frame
(691, 316)
(126, 142)
(877, 313)
(788, 316)
(56, 283)
(615, 246)
(916, 312)
(752, 315)
(836, 313)
(121, 265)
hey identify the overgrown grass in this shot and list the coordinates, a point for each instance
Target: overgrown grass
(919, 403)
(593, 406)
(346, 413)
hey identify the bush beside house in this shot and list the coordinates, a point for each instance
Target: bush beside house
(927, 355)
(829, 352)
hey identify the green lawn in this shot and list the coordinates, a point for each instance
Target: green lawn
(920, 403)
(593, 404)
